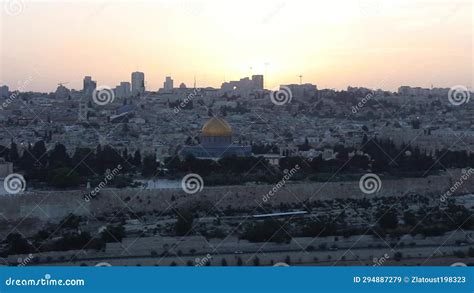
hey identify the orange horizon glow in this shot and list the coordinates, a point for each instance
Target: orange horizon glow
(333, 44)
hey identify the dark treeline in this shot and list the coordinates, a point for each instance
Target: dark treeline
(63, 236)
(384, 156)
(264, 149)
(435, 223)
(228, 170)
(58, 168)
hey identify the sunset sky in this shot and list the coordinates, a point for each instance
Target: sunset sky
(333, 44)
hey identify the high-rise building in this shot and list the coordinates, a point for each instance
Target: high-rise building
(138, 83)
(168, 84)
(125, 85)
(123, 90)
(422, 92)
(258, 81)
(4, 91)
(89, 86)
(244, 86)
(306, 90)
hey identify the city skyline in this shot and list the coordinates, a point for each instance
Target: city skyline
(237, 133)
(125, 87)
(342, 47)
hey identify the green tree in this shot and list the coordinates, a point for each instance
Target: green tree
(239, 262)
(39, 154)
(113, 233)
(256, 261)
(268, 230)
(71, 221)
(410, 218)
(137, 158)
(84, 160)
(184, 222)
(64, 178)
(59, 157)
(149, 165)
(16, 244)
(13, 153)
(72, 241)
(387, 219)
(397, 256)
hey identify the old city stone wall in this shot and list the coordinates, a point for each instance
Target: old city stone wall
(50, 205)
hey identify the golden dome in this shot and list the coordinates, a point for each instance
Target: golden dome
(216, 127)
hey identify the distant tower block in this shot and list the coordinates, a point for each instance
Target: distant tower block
(89, 86)
(138, 83)
(258, 81)
(168, 84)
